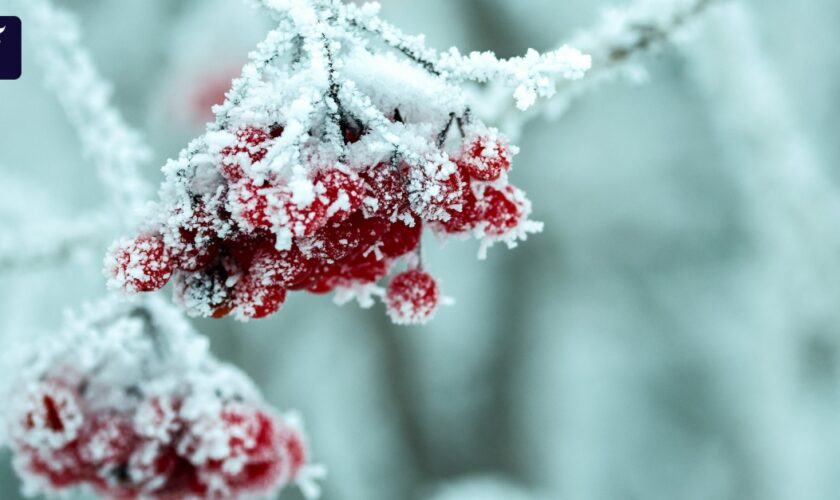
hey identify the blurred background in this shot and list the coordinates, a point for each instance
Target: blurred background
(673, 334)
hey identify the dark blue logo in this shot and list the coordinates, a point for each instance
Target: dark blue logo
(10, 48)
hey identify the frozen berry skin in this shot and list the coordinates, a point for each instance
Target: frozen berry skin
(339, 240)
(385, 191)
(412, 297)
(249, 147)
(361, 269)
(401, 238)
(465, 217)
(436, 192)
(499, 211)
(342, 193)
(140, 264)
(484, 158)
(249, 205)
(258, 294)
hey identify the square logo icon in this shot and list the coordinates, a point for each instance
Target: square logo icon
(10, 48)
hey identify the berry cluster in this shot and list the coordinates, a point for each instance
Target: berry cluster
(241, 235)
(167, 428)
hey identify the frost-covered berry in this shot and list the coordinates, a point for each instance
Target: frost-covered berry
(258, 294)
(141, 264)
(386, 190)
(341, 192)
(249, 205)
(47, 414)
(485, 157)
(436, 191)
(401, 237)
(412, 297)
(248, 150)
(499, 211)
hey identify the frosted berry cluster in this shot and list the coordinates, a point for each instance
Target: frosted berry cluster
(341, 144)
(132, 417)
(241, 246)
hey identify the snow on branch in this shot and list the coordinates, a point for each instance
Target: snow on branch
(533, 75)
(115, 148)
(615, 45)
(54, 242)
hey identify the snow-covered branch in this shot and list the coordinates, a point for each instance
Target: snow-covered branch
(531, 76)
(55, 242)
(615, 45)
(116, 149)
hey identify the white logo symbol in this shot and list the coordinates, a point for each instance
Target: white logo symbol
(1, 32)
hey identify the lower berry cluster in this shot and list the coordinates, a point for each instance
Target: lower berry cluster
(161, 432)
(241, 238)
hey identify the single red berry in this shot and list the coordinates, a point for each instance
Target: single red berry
(412, 297)
(141, 264)
(499, 211)
(257, 295)
(485, 157)
(436, 192)
(465, 217)
(361, 269)
(401, 238)
(249, 205)
(385, 190)
(248, 149)
(342, 193)
(339, 240)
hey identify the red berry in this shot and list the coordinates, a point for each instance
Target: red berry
(342, 193)
(248, 204)
(412, 297)
(499, 211)
(262, 290)
(363, 268)
(385, 190)
(485, 157)
(436, 193)
(401, 238)
(340, 240)
(463, 219)
(249, 149)
(141, 264)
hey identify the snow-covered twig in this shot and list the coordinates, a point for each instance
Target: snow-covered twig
(117, 150)
(615, 44)
(55, 242)
(532, 75)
